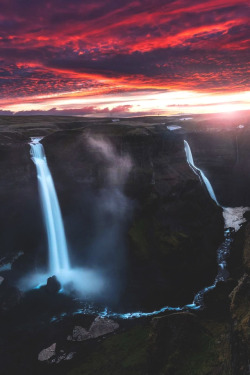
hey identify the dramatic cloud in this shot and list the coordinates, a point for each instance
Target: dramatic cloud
(57, 48)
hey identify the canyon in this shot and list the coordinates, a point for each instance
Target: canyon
(137, 215)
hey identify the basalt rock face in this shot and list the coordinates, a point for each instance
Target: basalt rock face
(53, 285)
(240, 339)
(230, 302)
(240, 303)
(20, 217)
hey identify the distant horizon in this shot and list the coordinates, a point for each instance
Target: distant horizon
(113, 117)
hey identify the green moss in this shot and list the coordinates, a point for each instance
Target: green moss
(147, 231)
(240, 309)
(127, 354)
(169, 242)
(138, 236)
(201, 361)
(173, 241)
(211, 354)
(122, 354)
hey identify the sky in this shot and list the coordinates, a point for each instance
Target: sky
(124, 58)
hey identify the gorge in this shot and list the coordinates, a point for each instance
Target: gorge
(147, 225)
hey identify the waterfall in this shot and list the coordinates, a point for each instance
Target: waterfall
(199, 172)
(84, 281)
(57, 244)
(233, 218)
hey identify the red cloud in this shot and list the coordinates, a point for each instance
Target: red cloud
(87, 110)
(51, 48)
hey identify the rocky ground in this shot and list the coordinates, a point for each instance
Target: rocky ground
(169, 239)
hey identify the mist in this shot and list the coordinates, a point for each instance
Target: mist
(112, 211)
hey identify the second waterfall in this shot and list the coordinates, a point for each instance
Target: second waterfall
(58, 250)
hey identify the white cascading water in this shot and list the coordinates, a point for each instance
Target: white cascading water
(84, 281)
(199, 172)
(58, 250)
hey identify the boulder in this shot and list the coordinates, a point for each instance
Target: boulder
(47, 353)
(79, 334)
(99, 327)
(102, 326)
(53, 286)
(63, 357)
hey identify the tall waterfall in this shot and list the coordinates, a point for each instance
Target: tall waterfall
(58, 251)
(199, 172)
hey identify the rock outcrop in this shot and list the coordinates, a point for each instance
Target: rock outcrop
(79, 334)
(99, 327)
(240, 310)
(47, 353)
(53, 285)
(102, 326)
